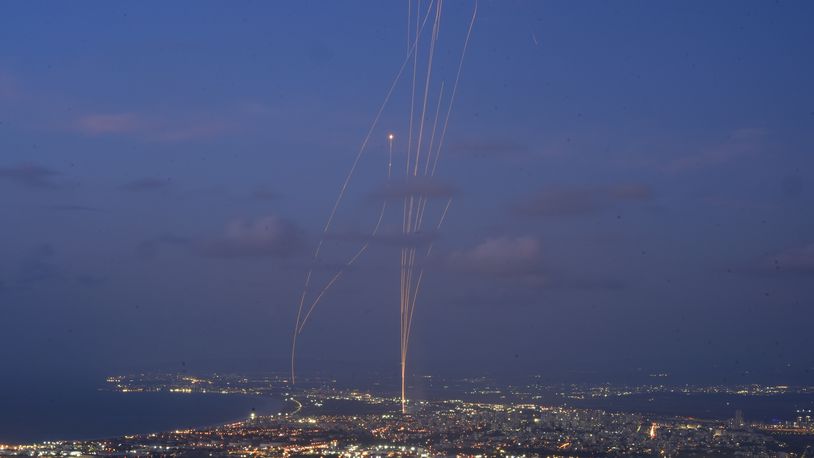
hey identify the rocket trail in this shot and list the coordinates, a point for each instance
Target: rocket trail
(343, 188)
(363, 248)
(424, 146)
(415, 205)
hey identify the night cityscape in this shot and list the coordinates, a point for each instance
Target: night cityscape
(407, 228)
(469, 417)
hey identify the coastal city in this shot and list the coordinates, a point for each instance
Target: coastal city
(321, 418)
(406, 228)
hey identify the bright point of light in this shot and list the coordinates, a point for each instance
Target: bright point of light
(390, 136)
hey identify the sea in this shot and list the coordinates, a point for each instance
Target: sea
(46, 407)
(57, 409)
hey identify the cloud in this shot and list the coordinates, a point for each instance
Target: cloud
(629, 192)
(113, 123)
(517, 265)
(796, 260)
(740, 143)
(30, 175)
(164, 129)
(417, 239)
(38, 265)
(35, 108)
(268, 236)
(500, 256)
(580, 201)
(151, 247)
(195, 131)
(416, 186)
(146, 184)
(530, 290)
(488, 148)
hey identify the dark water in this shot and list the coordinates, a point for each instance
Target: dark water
(82, 411)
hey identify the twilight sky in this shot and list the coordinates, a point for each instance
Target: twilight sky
(631, 181)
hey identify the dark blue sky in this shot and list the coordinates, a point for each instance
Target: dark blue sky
(632, 183)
